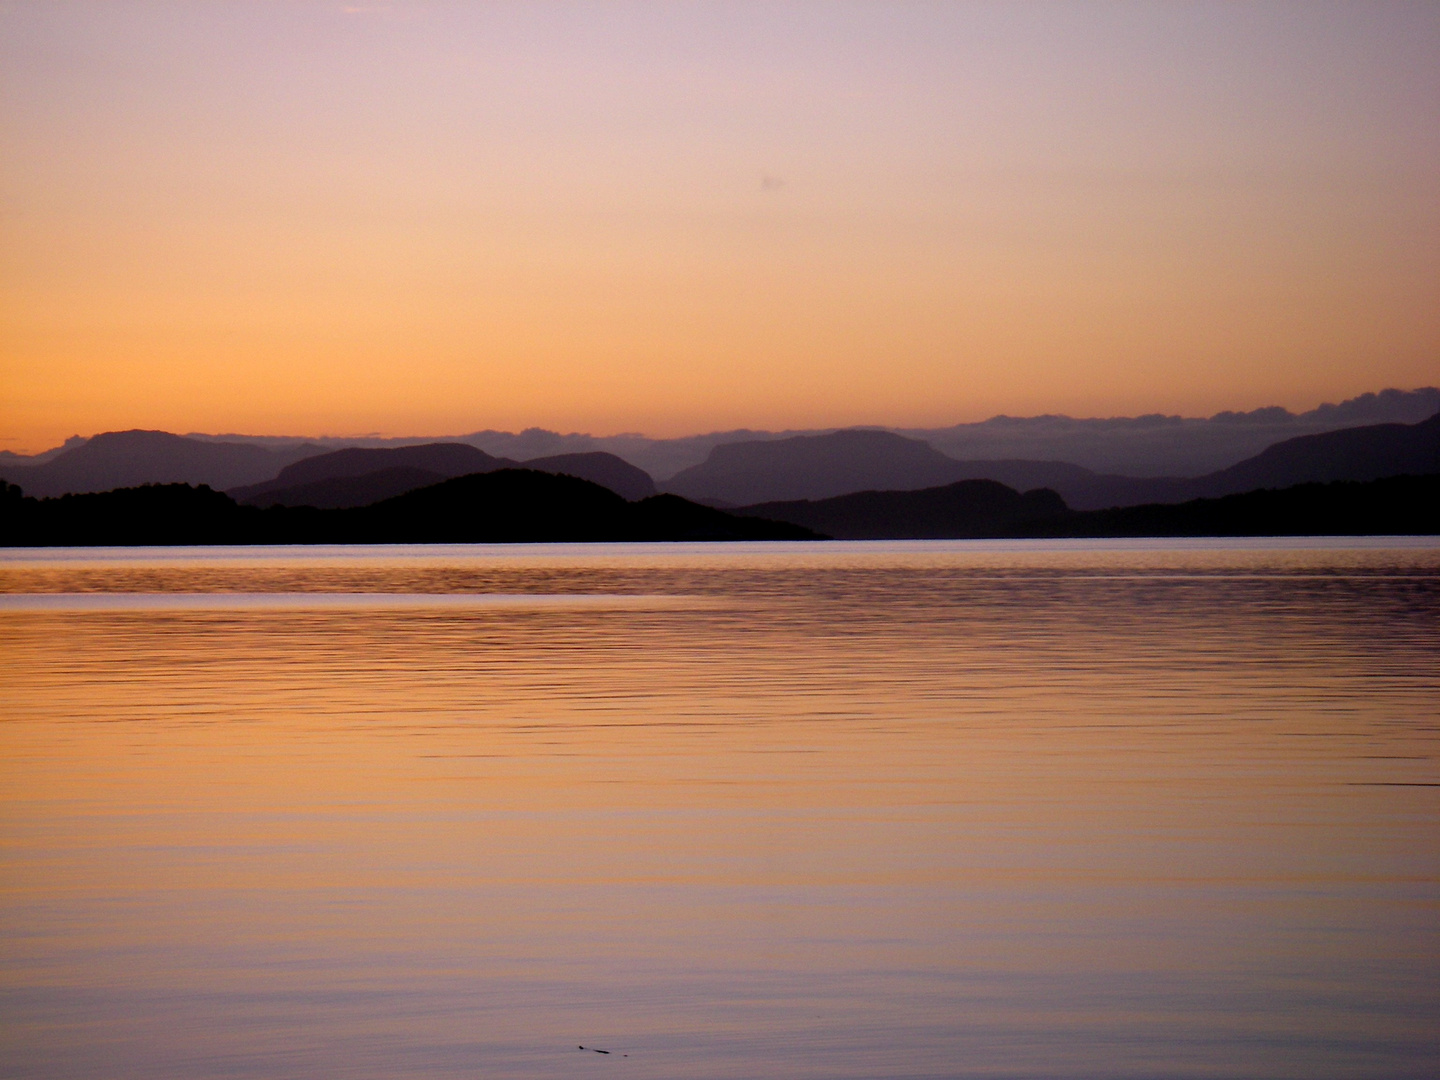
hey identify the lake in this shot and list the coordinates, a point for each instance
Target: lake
(945, 809)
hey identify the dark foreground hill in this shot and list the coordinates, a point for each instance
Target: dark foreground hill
(519, 506)
(359, 476)
(1394, 506)
(505, 506)
(983, 508)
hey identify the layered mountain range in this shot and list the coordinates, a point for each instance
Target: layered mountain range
(1141, 447)
(302, 474)
(825, 466)
(360, 476)
(738, 474)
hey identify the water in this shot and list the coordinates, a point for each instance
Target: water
(1071, 809)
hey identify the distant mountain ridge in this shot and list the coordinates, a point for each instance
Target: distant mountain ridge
(1173, 446)
(341, 492)
(735, 474)
(1361, 453)
(359, 476)
(118, 459)
(435, 461)
(1141, 446)
(816, 467)
(599, 467)
(812, 467)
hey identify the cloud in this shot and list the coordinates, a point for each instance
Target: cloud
(771, 183)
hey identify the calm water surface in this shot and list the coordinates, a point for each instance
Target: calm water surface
(844, 810)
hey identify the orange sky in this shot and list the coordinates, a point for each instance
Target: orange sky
(431, 218)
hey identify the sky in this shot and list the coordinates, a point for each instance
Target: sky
(429, 218)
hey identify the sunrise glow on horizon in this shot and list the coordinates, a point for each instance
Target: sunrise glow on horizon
(428, 219)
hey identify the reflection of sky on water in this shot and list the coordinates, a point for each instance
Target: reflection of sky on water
(923, 811)
(322, 601)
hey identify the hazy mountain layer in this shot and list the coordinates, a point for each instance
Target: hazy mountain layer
(601, 468)
(1363, 453)
(812, 467)
(822, 466)
(342, 492)
(361, 476)
(735, 474)
(1143, 446)
(127, 458)
(1147, 446)
(433, 461)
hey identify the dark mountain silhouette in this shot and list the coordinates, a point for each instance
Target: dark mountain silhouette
(601, 468)
(1092, 462)
(1362, 453)
(359, 476)
(657, 457)
(823, 466)
(1153, 445)
(521, 505)
(509, 506)
(818, 467)
(442, 460)
(9, 457)
(812, 467)
(968, 508)
(1158, 445)
(1393, 506)
(341, 492)
(983, 508)
(1140, 446)
(153, 514)
(1080, 488)
(502, 506)
(127, 458)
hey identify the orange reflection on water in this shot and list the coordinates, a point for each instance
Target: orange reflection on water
(844, 810)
